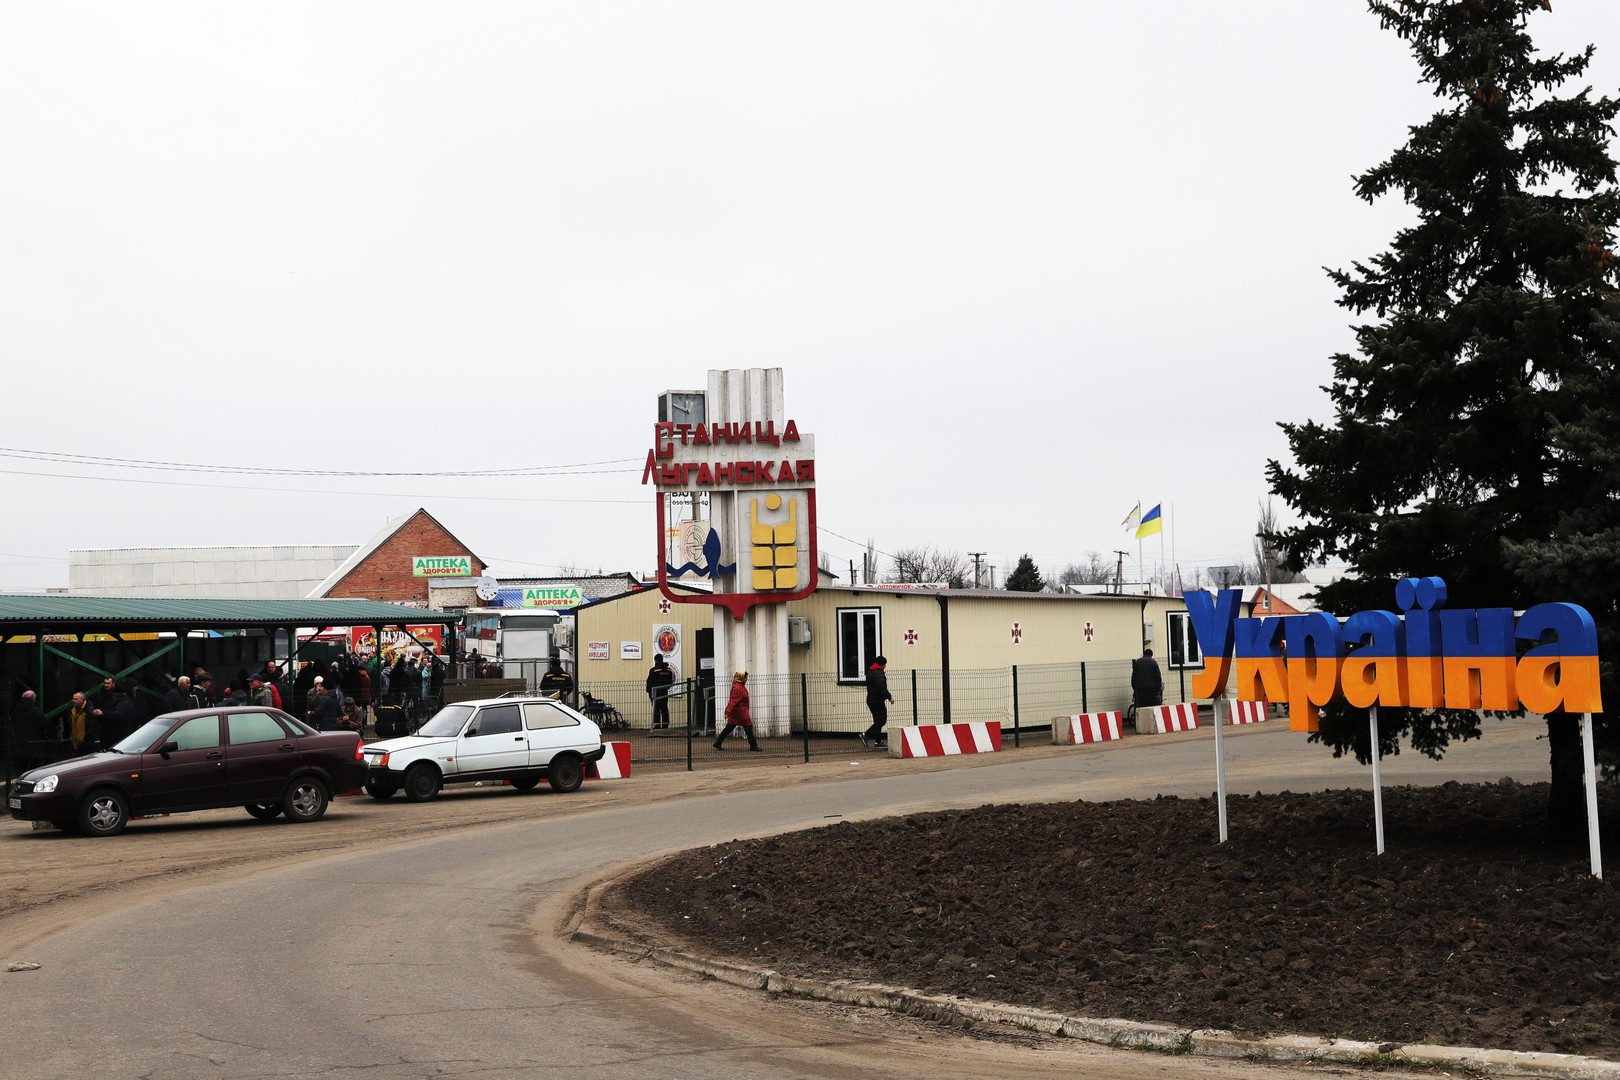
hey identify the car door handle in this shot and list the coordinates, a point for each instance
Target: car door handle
(517, 738)
(285, 748)
(215, 754)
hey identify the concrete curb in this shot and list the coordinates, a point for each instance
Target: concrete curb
(1124, 1034)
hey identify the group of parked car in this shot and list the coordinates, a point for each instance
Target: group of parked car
(275, 765)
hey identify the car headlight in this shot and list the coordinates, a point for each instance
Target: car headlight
(45, 786)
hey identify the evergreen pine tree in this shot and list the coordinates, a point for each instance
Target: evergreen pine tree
(1025, 577)
(1476, 434)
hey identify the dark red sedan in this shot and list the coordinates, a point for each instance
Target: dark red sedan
(261, 759)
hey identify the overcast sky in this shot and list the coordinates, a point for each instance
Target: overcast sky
(1023, 264)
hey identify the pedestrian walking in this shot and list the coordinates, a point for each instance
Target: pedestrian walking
(878, 700)
(737, 714)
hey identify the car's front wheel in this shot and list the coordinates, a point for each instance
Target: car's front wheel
(103, 813)
(264, 811)
(381, 791)
(565, 773)
(421, 782)
(305, 800)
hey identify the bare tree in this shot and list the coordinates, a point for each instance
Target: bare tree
(1269, 559)
(1094, 570)
(926, 564)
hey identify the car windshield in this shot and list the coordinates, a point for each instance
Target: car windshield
(141, 739)
(447, 722)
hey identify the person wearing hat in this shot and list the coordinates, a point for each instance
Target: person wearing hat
(202, 686)
(259, 691)
(659, 681)
(878, 700)
(737, 713)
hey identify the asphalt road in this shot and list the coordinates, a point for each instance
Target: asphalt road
(440, 956)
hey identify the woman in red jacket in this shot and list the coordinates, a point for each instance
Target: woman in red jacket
(737, 715)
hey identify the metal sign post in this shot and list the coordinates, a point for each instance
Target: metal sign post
(1591, 795)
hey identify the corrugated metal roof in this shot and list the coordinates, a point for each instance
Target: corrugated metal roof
(60, 611)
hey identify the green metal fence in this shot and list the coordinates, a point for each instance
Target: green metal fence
(805, 716)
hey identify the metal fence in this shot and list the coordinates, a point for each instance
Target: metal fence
(804, 716)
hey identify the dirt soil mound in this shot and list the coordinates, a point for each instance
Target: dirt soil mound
(1474, 929)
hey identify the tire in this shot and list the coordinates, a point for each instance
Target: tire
(104, 812)
(421, 782)
(264, 811)
(306, 800)
(381, 791)
(565, 773)
(526, 783)
(66, 826)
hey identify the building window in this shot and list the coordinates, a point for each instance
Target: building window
(1184, 651)
(860, 641)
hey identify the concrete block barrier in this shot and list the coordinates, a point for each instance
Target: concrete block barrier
(613, 765)
(1162, 719)
(1250, 712)
(944, 740)
(1087, 728)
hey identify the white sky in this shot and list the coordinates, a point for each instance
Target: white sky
(1023, 264)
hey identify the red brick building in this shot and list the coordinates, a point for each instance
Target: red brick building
(396, 564)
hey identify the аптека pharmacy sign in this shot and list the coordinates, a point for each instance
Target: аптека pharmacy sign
(441, 566)
(553, 596)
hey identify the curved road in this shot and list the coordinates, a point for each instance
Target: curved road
(440, 958)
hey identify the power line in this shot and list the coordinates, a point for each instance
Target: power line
(583, 468)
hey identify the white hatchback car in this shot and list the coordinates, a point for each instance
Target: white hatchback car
(519, 740)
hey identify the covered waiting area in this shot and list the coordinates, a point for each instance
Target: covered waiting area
(55, 643)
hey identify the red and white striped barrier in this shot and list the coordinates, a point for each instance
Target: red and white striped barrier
(942, 740)
(613, 765)
(1087, 728)
(1162, 719)
(1249, 712)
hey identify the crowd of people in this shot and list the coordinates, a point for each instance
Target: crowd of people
(329, 695)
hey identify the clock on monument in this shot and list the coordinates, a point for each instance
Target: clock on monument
(683, 407)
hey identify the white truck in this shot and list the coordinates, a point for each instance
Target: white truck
(521, 740)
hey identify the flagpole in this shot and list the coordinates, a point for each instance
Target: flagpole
(1161, 553)
(1172, 544)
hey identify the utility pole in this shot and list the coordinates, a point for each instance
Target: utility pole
(977, 555)
(1119, 571)
(852, 580)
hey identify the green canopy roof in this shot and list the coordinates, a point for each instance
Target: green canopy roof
(65, 613)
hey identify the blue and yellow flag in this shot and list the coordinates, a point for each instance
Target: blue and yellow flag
(1151, 522)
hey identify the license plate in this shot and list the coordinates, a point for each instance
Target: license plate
(15, 804)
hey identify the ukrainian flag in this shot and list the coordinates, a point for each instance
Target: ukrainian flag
(1151, 522)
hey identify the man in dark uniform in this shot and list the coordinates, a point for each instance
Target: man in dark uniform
(659, 680)
(555, 681)
(1147, 682)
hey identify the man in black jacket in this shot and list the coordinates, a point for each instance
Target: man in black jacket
(325, 710)
(1147, 681)
(127, 714)
(878, 700)
(659, 680)
(27, 732)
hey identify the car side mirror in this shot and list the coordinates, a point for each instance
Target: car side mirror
(168, 748)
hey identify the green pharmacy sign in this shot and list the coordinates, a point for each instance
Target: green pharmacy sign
(441, 566)
(553, 596)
